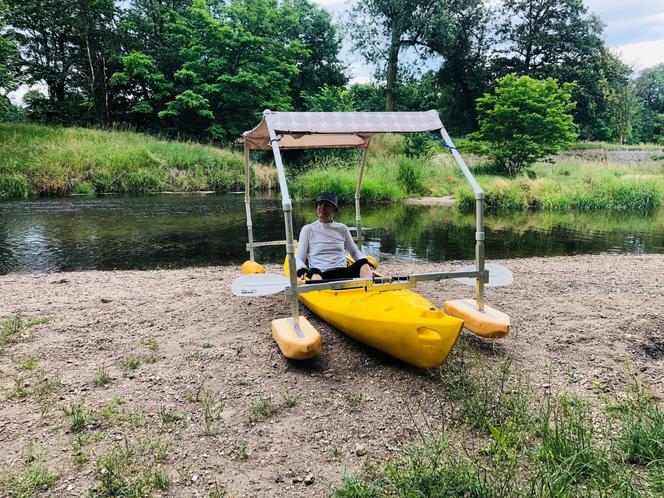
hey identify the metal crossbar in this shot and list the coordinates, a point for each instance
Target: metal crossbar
(388, 283)
(268, 243)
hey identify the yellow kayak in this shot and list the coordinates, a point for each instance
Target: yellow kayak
(400, 322)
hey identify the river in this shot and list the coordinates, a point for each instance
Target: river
(178, 230)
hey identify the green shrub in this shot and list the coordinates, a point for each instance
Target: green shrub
(343, 183)
(410, 175)
(14, 185)
(523, 121)
(144, 181)
(417, 145)
(84, 188)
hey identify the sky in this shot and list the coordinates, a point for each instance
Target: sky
(634, 31)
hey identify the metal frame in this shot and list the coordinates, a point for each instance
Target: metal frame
(377, 283)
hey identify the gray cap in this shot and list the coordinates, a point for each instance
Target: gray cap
(328, 197)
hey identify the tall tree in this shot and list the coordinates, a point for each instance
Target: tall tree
(650, 91)
(381, 28)
(560, 39)
(624, 105)
(460, 33)
(44, 29)
(9, 60)
(319, 65)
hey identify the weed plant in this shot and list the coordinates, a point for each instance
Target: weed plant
(290, 399)
(263, 408)
(79, 416)
(101, 378)
(500, 439)
(130, 363)
(32, 479)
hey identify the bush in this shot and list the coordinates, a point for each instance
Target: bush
(417, 145)
(524, 121)
(84, 188)
(14, 185)
(410, 175)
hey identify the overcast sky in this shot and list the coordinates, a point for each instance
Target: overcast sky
(634, 31)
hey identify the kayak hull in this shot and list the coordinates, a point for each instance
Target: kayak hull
(400, 323)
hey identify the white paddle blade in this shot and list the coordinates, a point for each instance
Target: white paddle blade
(499, 275)
(259, 284)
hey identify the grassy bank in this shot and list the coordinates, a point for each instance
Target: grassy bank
(48, 160)
(497, 436)
(560, 186)
(45, 160)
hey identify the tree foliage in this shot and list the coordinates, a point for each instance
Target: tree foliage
(184, 67)
(525, 120)
(380, 29)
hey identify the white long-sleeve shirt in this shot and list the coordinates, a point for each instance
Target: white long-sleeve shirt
(324, 246)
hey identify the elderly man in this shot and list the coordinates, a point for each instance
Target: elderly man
(324, 243)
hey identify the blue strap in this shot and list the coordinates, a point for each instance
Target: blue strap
(436, 137)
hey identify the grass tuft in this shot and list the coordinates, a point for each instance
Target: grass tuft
(101, 378)
(263, 408)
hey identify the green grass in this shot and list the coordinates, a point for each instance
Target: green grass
(263, 408)
(17, 328)
(130, 363)
(569, 186)
(101, 378)
(290, 399)
(497, 437)
(79, 416)
(33, 478)
(353, 399)
(36, 159)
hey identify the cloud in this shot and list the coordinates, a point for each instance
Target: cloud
(627, 23)
(642, 54)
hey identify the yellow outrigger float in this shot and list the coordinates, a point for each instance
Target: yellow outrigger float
(381, 312)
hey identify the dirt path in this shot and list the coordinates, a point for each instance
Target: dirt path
(584, 322)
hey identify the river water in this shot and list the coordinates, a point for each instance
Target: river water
(178, 230)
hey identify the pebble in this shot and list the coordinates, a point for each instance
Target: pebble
(360, 450)
(309, 480)
(194, 478)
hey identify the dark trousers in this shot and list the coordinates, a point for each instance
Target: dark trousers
(352, 271)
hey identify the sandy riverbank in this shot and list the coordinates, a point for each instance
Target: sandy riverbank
(580, 323)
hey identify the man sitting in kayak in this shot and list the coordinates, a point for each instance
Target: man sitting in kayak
(323, 245)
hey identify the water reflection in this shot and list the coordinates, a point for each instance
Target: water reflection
(165, 231)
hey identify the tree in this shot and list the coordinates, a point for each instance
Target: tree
(459, 32)
(649, 88)
(523, 121)
(330, 99)
(9, 62)
(624, 106)
(560, 39)
(318, 64)
(381, 28)
(44, 30)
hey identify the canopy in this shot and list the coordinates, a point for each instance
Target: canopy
(298, 130)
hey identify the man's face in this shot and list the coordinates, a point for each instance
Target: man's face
(325, 212)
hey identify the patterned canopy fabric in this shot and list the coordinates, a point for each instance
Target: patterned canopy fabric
(297, 130)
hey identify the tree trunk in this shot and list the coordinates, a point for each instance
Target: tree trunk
(392, 64)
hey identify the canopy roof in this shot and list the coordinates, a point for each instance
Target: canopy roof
(299, 130)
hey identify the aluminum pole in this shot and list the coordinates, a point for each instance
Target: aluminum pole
(247, 198)
(358, 193)
(479, 216)
(288, 221)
